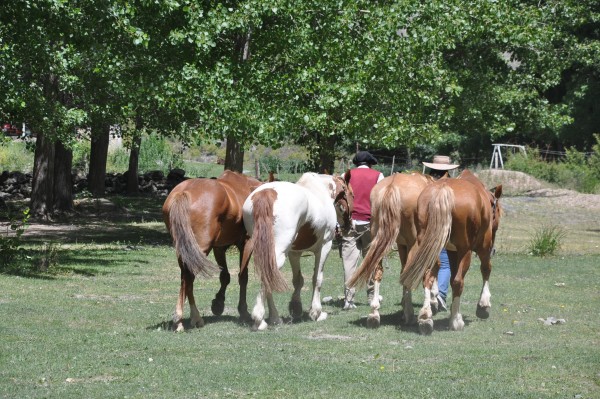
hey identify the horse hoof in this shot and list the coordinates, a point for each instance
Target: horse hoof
(217, 307)
(483, 312)
(457, 324)
(262, 326)
(197, 323)
(373, 321)
(245, 317)
(276, 321)
(426, 327)
(179, 328)
(322, 316)
(295, 309)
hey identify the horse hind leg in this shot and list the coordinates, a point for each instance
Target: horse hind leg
(484, 304)
(374, 318)
(456, 321)
(426, 314)
(186, 290)
(295, 306)
(218, 303)
(316, 309)
(258, 313)
(242, 304)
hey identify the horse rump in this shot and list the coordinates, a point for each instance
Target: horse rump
(439, 200)
(186, 246)
(262, 242)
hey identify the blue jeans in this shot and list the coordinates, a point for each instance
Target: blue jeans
(444, 274)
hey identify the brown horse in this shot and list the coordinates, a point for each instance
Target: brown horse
(203, 215)
(461, 215)
(393, 205)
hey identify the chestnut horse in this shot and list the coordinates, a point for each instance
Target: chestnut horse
(393, 205)
(461, 215)
(203, 215)
(286, 219)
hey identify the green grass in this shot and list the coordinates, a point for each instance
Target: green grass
(97, 326)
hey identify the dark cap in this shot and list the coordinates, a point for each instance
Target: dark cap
(364, 157)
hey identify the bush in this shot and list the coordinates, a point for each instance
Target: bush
(574, 172)
(546, 240)
(155, 154)
(15, 155)
(10, 240)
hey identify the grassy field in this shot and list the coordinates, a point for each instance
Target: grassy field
(97, 325)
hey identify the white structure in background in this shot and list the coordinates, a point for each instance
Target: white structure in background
(497, 154)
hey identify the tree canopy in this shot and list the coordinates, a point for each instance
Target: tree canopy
(449, 75)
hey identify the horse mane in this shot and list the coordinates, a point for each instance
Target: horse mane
(437, 233)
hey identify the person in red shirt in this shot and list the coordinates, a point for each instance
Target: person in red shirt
(355, 241)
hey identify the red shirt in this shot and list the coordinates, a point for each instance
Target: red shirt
(362, 181)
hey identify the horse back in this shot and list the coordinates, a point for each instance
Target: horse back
(215, 211)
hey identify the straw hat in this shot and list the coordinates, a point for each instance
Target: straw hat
(441, 162)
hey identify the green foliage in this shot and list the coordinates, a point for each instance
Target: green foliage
(49, 256)
(10, 239)
(81, 155)
(15, 156)
(575, 171)
(546, 240)
(156, 153)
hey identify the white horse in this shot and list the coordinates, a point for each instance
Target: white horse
(284, 220)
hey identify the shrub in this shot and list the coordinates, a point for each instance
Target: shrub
(574, 172)
(155, 154)
(15, 155)
(546, 240)
(10, 240)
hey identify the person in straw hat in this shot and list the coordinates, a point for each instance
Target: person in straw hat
(440, 167)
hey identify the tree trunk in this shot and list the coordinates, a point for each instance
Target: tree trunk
(234, 156)
(63, 178)
(133, 187)
(42, 195)
(98, 156)
(52, 185)
(327, 154)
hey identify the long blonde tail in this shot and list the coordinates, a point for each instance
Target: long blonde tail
(184, 240)
(262, 243)
(437, 233)
(387, 214)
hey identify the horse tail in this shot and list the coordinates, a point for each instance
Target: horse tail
(186, 246)
(436, 235)
(262, 243)
(387, 214)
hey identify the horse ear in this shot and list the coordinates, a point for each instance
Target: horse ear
(497, 191)
(347, 176)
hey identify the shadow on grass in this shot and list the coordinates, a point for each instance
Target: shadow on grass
(441, 321)
(167, 325)
(49, 264)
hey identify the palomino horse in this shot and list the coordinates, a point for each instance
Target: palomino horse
(204, 215)
(463, 216)
(393, 205)
(287, 219)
